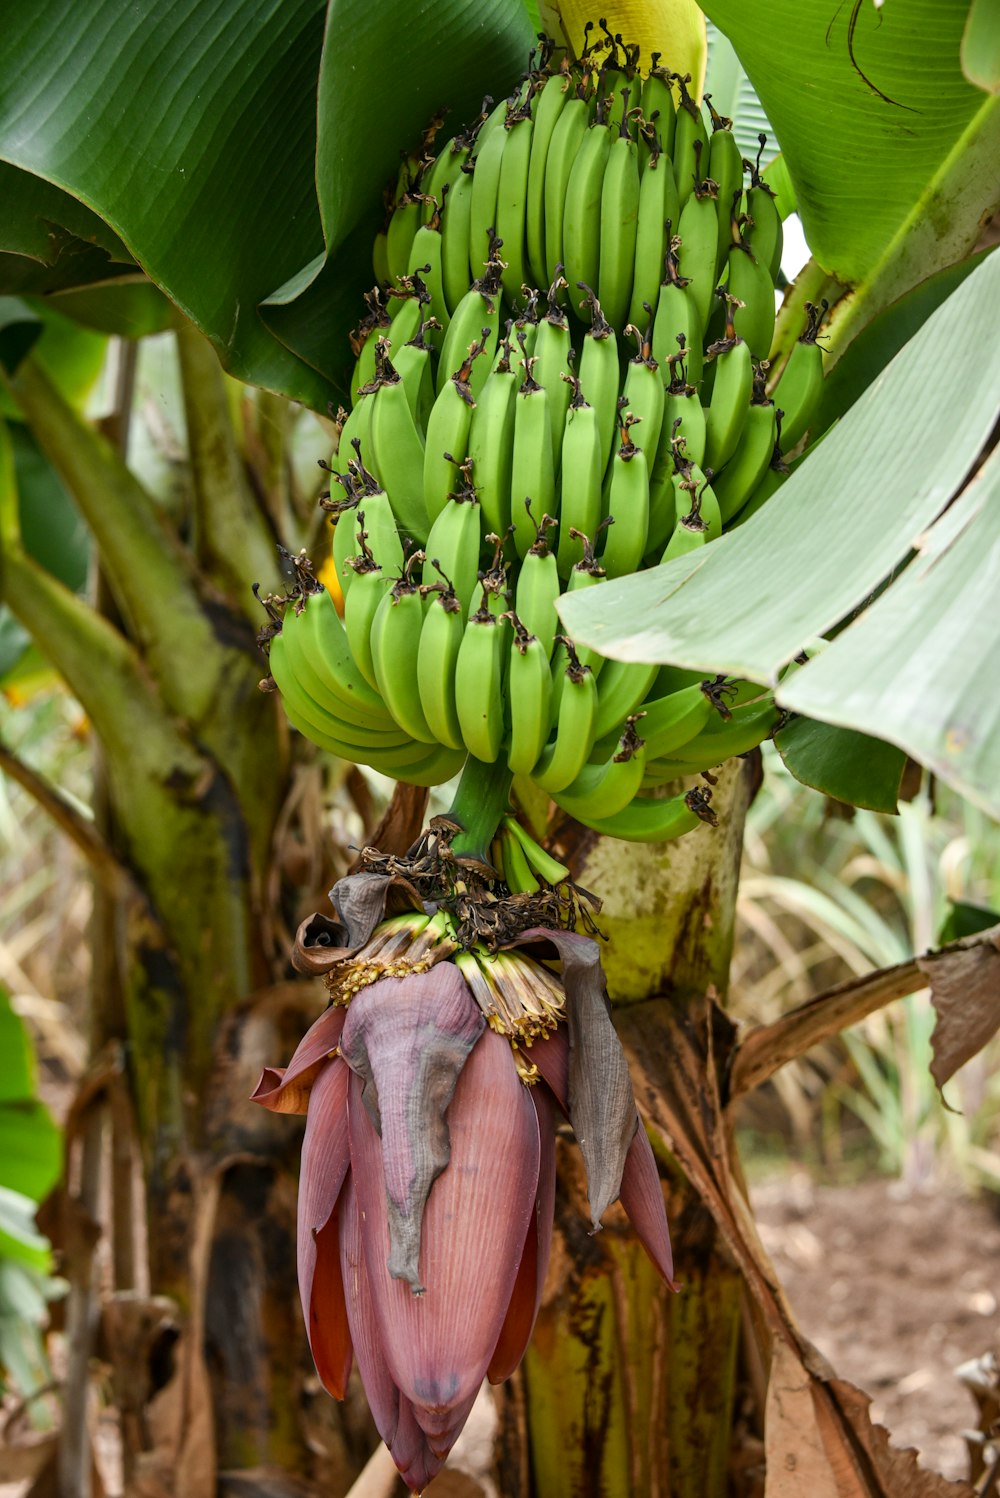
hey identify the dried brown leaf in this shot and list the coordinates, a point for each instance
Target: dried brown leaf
(965, 992)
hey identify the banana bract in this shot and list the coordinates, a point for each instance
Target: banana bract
(562, 376)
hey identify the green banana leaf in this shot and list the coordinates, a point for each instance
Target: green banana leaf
(30, 1144)
(49, 241)
(891, 149)
(188, 135)
(850, 767)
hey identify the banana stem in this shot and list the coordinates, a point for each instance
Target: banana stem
(480, 804)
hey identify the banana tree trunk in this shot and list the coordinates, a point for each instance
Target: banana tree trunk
(626, 1386)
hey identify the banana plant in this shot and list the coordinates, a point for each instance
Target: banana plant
(230, 188)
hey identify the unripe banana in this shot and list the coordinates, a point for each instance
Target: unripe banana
(479, 696)
(604, 789)
(413, 362)
(643, 391)
(537, 589)
(402, 229)
(529, 688)
(749, 463)
(567, 137)
(426, 261)
(443, 175)
(326, 708)
(659, 204)
(455, 234)
(488, 157)
(397, 447)
(657, 105)
(379, 559)
(563, 759)
(599, 373)
(620, 690)
(697, 510)
(730, 401)
(698, 232)
(677, 318)
(555, 94)
(325, 640)
(581, 236)
(533, 479)
(447, 437)
(511, 202)
(765, 233)
(455, 541)
(475, 324)
(551, 357)
(583, 462)
(646, 820)
(437, 658)
(690, 140)
(628, 507)
(750, 283)
(619, 218)
(395, 645)
(491, 442)
(801, 383)
(364, 338)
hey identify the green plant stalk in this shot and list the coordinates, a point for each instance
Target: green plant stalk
(144, 562)
(233, 540)
(628, 1387)
(481, 802)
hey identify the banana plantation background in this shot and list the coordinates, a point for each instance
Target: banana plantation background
(190, 195)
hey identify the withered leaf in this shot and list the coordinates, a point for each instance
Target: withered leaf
(965, 992)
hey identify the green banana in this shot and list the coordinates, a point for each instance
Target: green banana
(598, 371)
(437, 659)
(529, 689)
(561, 761)
(532, 474)
(765, 233)
(670, 721)
(725, 163)
(447, 437)
(414, 364)
(643, 390)
(567, 137)
(620, 689)
(488, 156)
(537, 589)
(395, 642)
(379, 557)
(455, 541)
(698, 232)
(691, 133)
(751, 285)
(801, 383)
(603, 790)
(659, 204)
(427, 262)
(683, 412)
(619, 219)
(475, 323)
(750, 461)
(511, 201)
(581, 235)
(628, 507)
(491, 441)
(544, 865)
(328, 710)
(549, 105)
(479, 696)
(730, 402)
(402, 230)
(648, 820)
(721, 739)
(442, 176)
(397, 447)
(677, 318)
(325, 641)
(455, 233)
(657, 104)
(517, 872)
(582, 465)
(551, 356)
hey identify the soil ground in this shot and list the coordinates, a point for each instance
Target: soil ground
(896, 1291)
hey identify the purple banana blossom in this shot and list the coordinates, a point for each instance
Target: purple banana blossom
(427, 1180)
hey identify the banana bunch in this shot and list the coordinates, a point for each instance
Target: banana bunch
(561, 377)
